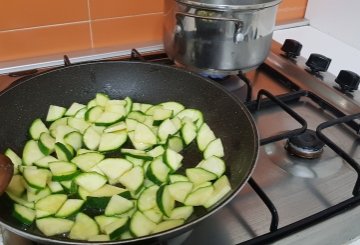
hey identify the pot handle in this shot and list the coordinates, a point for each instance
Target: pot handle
(6, 172)
(238, 35)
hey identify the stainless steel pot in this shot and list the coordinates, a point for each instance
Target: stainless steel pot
(219, 36)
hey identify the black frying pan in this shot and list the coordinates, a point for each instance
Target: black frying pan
(143, 82)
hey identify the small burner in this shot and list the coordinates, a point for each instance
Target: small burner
(305, 145)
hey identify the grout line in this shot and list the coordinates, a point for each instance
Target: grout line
(90, 25)
(45, 26)
(128, 16)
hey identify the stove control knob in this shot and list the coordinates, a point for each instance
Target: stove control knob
(292, 48)
(318, 62)
(348, 80)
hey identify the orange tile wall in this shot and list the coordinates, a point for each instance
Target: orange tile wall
(31, 28)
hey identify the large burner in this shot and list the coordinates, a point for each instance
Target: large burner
(305, 145)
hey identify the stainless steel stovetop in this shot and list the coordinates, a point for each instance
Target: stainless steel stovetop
(297, 188)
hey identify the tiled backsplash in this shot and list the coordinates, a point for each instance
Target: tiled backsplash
(31, 28)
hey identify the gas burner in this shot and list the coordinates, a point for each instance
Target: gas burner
(306, 145)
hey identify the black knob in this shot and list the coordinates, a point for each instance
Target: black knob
(348, 80)
(318, 62)
(292, 48)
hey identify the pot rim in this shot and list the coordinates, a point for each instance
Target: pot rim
(229, 5)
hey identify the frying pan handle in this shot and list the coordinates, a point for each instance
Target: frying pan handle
(6, 172)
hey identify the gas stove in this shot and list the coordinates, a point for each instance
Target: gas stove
(306, 186)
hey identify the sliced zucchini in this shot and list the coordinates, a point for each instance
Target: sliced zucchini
(138, 145)
(160, 114)
(113, 168)
(44, 162)
(214, 165)
(91, 138)
(42, 214)
(109, 191)
(214, 148)
(175, 143)
(117, 228)
(147, 199)
(55, 112)
(31, 152)
(136, 154)
(16, 185)
(133, 179)
(64, 152)
(35, 196)
(108, 118)
(177, 177)
(128, 106)
(135, 161)
(157, 151)
(62, 171)
(195, 115)
(60, 132)
(131, 124)
(183, 212)
(93, 113)
(103, 221)
(175, 107)
(73, 109)
(90, 181)
(166, 128)
(20, 200)
(87, 160)
(188, 132)
(204, 136)
(200, 196)
(168, 224)
(55, 187)
(115, 127)
(84, 228)
(78, 123)
(24, 214)
(101, 99)
(36, 178)
(61, 121)
(74, 139)
(140, 225)
(81, 113)
(117, 108)
(37, 127)
(70, 207)
(54, 226)
(164, 200)
(180, 190)
(154, 214)
(118, 205)
(199, 175)
(112, 141)
(158, 171)
(172, 159)
(221, 188)
(51, 203)
(15, 159)
(143, 134)
(137, 115)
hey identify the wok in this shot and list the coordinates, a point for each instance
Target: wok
(143, 82)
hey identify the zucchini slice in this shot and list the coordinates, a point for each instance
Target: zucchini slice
(168, 224)
(154, 214)
(200, 196)
(173, 159)
(62, 171)
(16, 185)
(91, 138)
(37, 128)
(70, 207)
(36, 178)
(73, 109)
(214, 148)
(84, 228)
(164, 200)
(115, 229)
(54, 226)
(112, 141)
(51, 203)
(199, 175)
(24, 214)
(64, 152)
(74, 139)
(55, 112)
(214, 165)
(147, 199)
(221, 188)
(113, 168)
(140, 225)
(180, 190)
(158, 171)
(183, 212)
(91, 181)
(118, 205)
(87, 160)
(31, 152)
(204, 136)
(133, 179)
(16, 160)
(46, 143)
